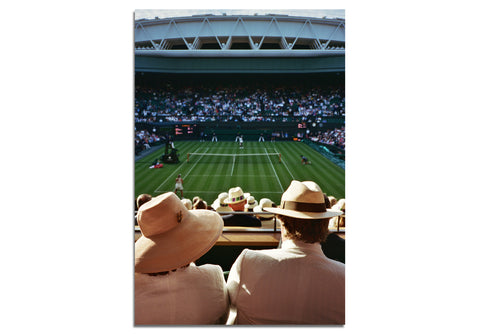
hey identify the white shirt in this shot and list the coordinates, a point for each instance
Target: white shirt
(192, 295)
(296, 284)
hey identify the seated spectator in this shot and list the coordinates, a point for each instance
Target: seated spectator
(332, 200)
(169, 287)
(237, 200)
(219, 204)
(251, 203)
(264, 203)
(199, 204)
(188, 203)
(296, 284)
(340, 220)
(267, 219)
(141, 199)
(334, 246)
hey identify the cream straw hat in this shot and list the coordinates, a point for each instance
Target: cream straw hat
(304, 200)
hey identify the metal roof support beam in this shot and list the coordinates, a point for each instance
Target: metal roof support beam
(252, 43)
(216, 37)
(283, 41)
(330, 37)
(148, 35)
(318, 43)
(181, 35)
(296, 38)
(263, 37)
(163, 42)
(229, 41)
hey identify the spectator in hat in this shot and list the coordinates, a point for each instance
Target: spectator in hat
(251, 203)
(264, 203)
(237, 200)
(340, 220)
(219, 204)
(333, 200)
(188, 203)
(296, 284)
(169, 287)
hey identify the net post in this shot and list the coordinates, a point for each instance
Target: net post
(280, 157)
(188, 157)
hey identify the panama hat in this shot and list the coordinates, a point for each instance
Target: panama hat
(236, 195)
(251, 203)
(219, 204)
(304, 200)
(172, 235)
(264, 203)
(188, 203)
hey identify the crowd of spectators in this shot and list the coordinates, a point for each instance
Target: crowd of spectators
(332, 137)
(240, 103)
(144, 140)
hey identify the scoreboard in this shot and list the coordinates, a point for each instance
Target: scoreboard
(185, 130)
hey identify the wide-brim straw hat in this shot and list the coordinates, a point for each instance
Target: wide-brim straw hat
(251, 203)
(172, 235)
(236, 195)
(304, 200)
(264, 203)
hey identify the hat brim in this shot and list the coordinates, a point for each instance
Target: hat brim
(304, 215)
(224, 209)
(195, 235)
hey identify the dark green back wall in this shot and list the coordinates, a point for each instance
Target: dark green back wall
(240, 65)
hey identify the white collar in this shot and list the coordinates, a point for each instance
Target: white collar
(289, 244)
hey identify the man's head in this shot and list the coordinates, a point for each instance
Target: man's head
(306, 230)
(303, 212)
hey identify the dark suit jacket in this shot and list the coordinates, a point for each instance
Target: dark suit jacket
(241, 220)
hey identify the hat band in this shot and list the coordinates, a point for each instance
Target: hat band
(237, 199)
(305, 207)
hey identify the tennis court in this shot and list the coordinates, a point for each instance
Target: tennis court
(264, 169)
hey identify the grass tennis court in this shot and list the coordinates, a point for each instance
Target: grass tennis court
(255, 168)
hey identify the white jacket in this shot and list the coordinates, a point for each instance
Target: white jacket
(192, 295)
(296, 284)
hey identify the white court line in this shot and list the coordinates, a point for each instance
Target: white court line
(284, 163)
(195, 164)
(168, 178)
(274, 171)
(227, 175)
(233, 165)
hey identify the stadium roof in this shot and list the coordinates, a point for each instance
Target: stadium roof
(270, 35)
